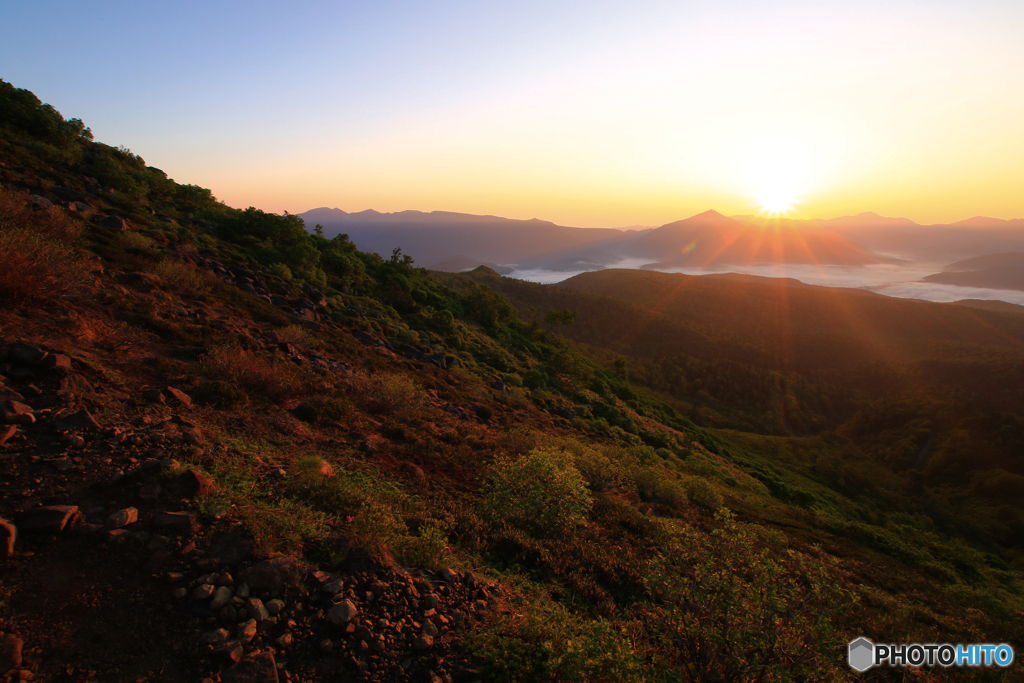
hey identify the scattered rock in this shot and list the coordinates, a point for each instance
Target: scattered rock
(51, 519)
(6, 433)
(221, 597)
(191, 484)
(247, 630)
(274, 574)
(214, 637)
(8, 535)
(231, 650)
(80, 420)
(229, 549)
(203, 592)
(114, 222)
(256, 668)
(153, 396)
(40, 202)
(24, 354)
(10, 652)
(150, 491)
(414, 471)
(194, 437)
(256, 610)
(76, 384)
(175, 521)
(14, 411)
(274, 607)
(424, 642)
(178, 396)
(122, 518)
(342, 613)
(56, 360)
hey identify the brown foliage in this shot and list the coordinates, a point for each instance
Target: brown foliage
(38, 260)
(253, 374)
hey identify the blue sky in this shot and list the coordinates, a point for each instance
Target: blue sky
(587, 113)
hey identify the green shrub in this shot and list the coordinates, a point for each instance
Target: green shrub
(738, 611)
(185, 279)
(549, 643)
(656, 486)
(136, 241)
(703, 494)
(427, 549)
(543, 492)
(384, 393)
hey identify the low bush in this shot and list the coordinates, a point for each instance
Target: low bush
(702, 494)
(185, 279)
(38, 260)
(427, 549)
(320, 409)
(253, 374)
(655, 486)
(34, 267)
(549, 643)
(543, 492)
(384, 393)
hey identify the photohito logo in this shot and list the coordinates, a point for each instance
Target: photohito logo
(862, 654)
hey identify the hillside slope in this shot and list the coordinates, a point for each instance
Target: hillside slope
(234, 450)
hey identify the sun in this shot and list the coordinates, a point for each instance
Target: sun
(777, 202)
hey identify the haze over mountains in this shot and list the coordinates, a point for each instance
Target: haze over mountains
(891, 255)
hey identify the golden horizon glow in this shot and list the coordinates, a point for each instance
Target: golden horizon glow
(616, 115)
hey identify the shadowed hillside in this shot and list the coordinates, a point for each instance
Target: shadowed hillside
(237, 450)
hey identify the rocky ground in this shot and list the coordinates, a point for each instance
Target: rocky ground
(109, 573)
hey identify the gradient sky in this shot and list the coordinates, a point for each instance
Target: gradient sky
(585, 113)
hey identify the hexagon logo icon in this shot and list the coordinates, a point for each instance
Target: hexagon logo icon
(861, 654)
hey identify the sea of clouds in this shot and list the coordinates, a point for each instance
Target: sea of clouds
(902, 281)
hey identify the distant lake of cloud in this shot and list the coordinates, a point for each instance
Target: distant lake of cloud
(901, 281)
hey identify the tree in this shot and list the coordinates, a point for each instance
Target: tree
(559, 317)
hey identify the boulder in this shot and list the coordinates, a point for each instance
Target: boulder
(175, 521)
(24, 354)
(40, 202)
(113, 222)
(76, 384)
(55, 360)
(178, 396)
(274, 574)
(414, 472)
(10, 652)
(15, 411)
(256, 668)
(51, 519)
(123, 518)
(194, 437)
(229, 549)
(80, 420)
(342, 612)
(191, 484)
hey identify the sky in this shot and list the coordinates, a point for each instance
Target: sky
(591, 114)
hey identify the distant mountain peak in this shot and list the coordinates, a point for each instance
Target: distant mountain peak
(710, 213)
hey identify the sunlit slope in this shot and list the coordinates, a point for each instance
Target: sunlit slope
(790, 324)
(846, 343)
